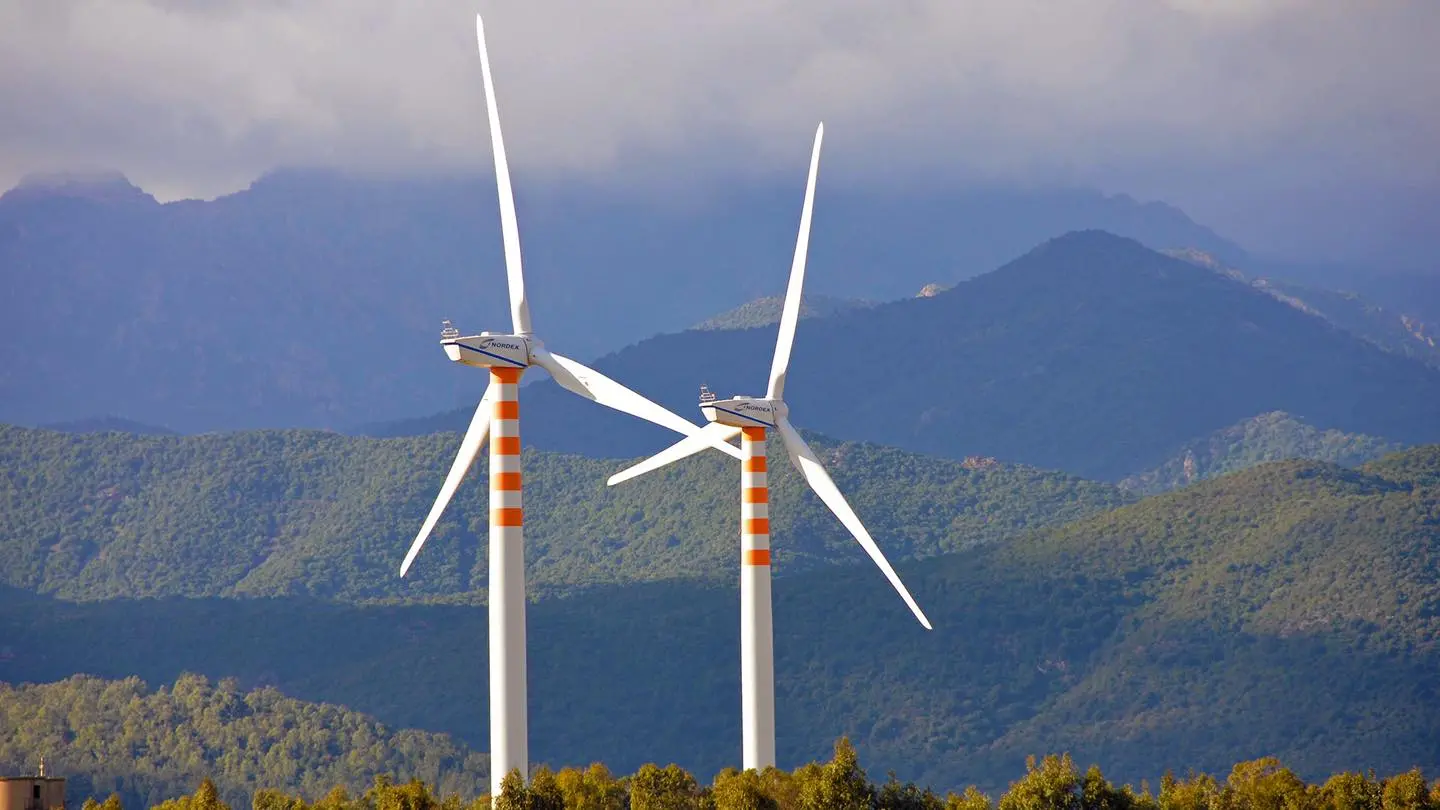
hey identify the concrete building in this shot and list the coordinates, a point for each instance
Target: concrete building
(38, 792)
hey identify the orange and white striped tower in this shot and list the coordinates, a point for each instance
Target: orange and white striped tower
(757, 638)
(497, 416)
(509, 733)
(752, 417)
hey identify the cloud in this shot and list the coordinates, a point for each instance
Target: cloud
(199, 96)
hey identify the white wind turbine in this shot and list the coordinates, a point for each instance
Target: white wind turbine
(507, 356)
(752, 417)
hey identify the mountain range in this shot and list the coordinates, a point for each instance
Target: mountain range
(314, 299)
(1395, 328)
(1152, 503)
(1289, 609)
(765, 311)
(1090, 354)
(277, 513)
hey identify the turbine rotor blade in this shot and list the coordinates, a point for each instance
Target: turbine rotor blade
(470, 446)
(809, 466)
(790, 315)
(509, 227)
(688, 446)
(591, 384)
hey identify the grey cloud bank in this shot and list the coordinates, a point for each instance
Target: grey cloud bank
(1272, 120)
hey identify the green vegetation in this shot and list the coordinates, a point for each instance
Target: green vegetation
(277, 513)
(1289, 609)
(1275, 436)
(1051, 783)
(119, 736)
(765, 311)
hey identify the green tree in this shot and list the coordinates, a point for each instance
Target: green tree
(838, 785)
(1096, 793)
(591, 789)
(972, 799)
(1053, 784)
(205, 797)
(1406, 791)
(1350, 791)
(1265, 784)
(1199, 792)
(668, 788)
(337, 799)
(514, 795)
(384, 794)
(897, 795)
(737, 790)
(545, 792)
(270, 799)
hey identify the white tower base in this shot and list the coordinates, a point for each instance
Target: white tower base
(757, 639)
(509, 730)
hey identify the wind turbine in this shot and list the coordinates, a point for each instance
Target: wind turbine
(752, 417)
(507, 356)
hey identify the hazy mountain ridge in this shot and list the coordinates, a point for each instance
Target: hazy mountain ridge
(1290, 609)
(108, 424)
(275, 513)
(1275, 436)
(315, 300)
(1399, 331)
(1089, 354)
(765, 311)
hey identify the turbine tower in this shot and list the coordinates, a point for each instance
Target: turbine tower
(752, 418)
(507, 356)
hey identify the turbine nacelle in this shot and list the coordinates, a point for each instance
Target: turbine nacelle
(743, 412)
(490, 350)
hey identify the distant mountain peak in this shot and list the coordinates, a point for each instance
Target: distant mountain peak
(99, 185)
(108, 424)
(765, 311)
(1090, 243)
(1265, 437)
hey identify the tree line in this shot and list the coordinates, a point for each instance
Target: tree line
(1051, 783)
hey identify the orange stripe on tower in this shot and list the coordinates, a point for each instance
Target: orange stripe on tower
(756, 556)
(507, 516)
(506, 375)
(507, 481)
(507, 409)
(754, 434)
(754, 463)
(505, 445)
(757, 525)
(756, 495)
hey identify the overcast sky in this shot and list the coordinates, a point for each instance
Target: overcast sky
(1272, 120)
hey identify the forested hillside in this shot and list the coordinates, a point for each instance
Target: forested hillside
(1289, 609)
(303, 512)
(1275, 436)
(149, 745)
